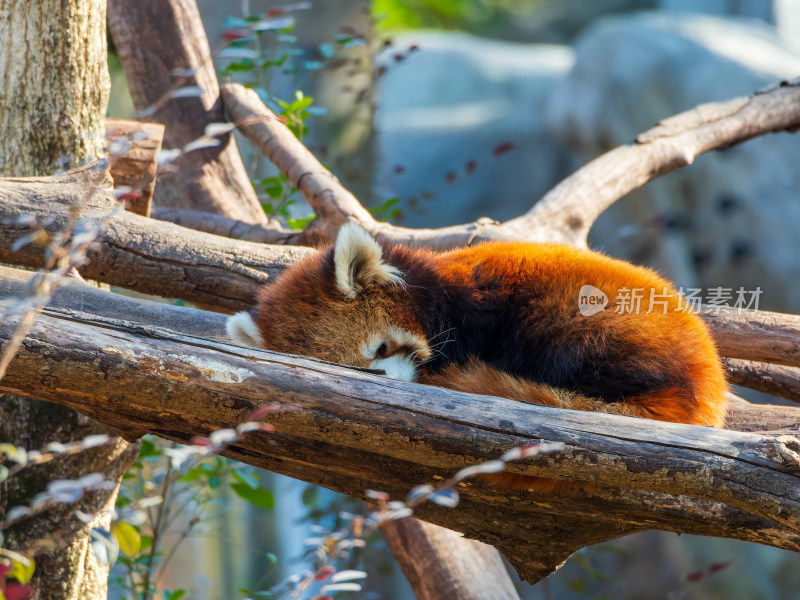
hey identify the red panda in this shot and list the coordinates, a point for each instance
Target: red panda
(500, 318)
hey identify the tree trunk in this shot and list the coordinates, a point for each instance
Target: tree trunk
(153, 39)
(53, 100)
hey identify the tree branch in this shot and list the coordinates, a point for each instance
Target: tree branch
(152, 257)
(133, 152)
(777, 380)
(226, 227)
(568, 211)
(350, 430)
(211, 179)
(163, 259)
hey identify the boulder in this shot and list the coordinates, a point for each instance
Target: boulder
(460, 127)
(733, 218)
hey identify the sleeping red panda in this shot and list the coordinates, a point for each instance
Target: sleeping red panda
(500, 319)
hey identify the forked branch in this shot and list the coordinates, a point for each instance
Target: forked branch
(568, 211)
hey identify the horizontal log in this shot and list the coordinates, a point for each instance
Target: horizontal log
(350, 431)
(159, 258)
(776, 380)
(134, 252)
(225, 226)
(757, 335)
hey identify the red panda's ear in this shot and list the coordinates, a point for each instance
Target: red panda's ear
(243, 330)
(358, 260)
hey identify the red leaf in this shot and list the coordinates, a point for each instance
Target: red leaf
(399, 169)
(276, 11)
(451, 177)
(235, 33)
(503, 148)
(262, 411)
(719, 566)
(324, 573)
(471, 166)
(133, 195)
(15, 591)
(695, 577)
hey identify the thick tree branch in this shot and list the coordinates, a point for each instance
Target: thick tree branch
(211, 179)
(225, 226)
(163, 259)
(777, 380)
(135, 252)
(350, 430)
(568, 211)
(757, 335)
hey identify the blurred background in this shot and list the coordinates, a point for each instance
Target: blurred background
(435, 112)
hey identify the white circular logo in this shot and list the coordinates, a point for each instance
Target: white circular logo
(591, 300)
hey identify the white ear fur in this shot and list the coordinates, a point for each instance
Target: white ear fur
(358, 260)
(242, 329)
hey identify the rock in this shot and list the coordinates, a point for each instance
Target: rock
(733, 218)
(460, 129)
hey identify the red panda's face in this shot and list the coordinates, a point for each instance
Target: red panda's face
(345, 305)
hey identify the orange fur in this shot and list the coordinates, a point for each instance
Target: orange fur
(453, 308)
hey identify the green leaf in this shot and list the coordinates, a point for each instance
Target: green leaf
(300, 104)
(175, 594)
(300, 223)
(255, 496)
(3, 473)
(147, 543)
(149, 448)
(13, 453)
(310, 495)
(246, 64)
(129, 540)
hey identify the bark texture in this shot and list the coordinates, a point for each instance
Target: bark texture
(135, 252)
(153, 39)
(133, 153)
(350, 431)
(54, 89)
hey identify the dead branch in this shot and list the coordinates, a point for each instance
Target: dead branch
(568, 211)
(421, 548)
(163, 259)
(349, 430)
(761, 336)
(134, 252)
(226, 227)
(572, 207)
(776, 380)
(177, 55)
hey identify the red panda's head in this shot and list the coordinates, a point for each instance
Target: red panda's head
(345, 304)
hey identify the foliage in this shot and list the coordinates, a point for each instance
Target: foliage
(468, 15)
(168, 492)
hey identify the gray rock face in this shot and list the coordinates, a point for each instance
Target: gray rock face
(460, 130)
(733, 218)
